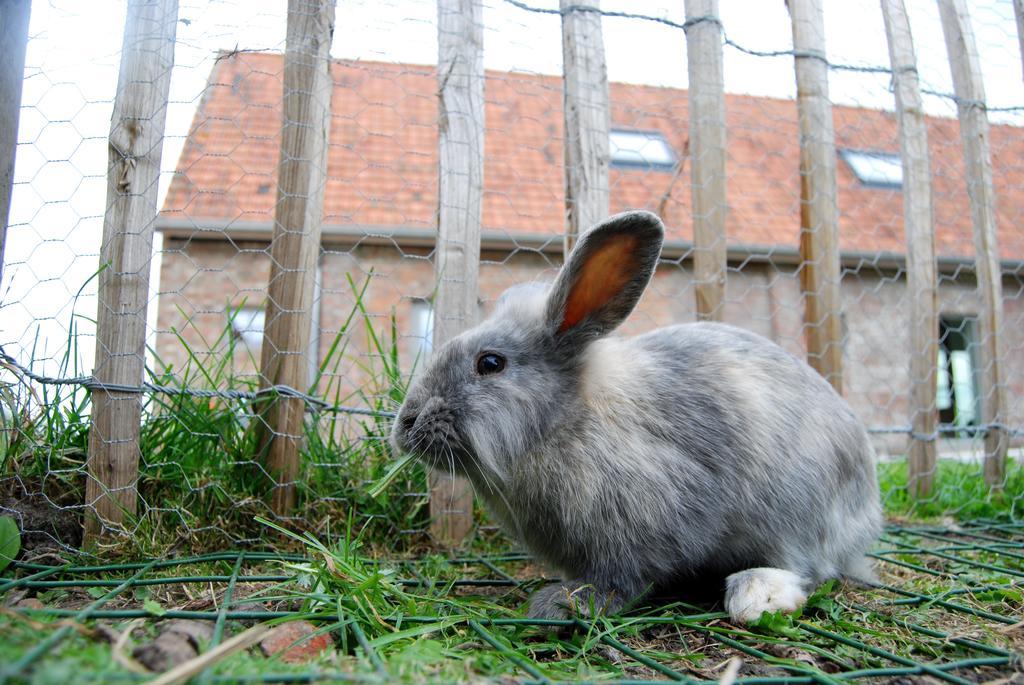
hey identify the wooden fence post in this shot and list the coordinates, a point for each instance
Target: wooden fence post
(460, 72)
(295, 246)
(707, 155)
(136, 139)
(970, 95)
(920, 236)
(819, 214)
(14, 15)
(587, 118)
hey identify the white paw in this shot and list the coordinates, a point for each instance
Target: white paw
(750, 593)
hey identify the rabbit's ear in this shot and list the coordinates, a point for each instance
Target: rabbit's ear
(604, 277)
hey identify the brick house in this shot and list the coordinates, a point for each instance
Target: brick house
(380, 217)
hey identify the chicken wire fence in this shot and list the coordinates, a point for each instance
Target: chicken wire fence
(202, 476)
(945, 613)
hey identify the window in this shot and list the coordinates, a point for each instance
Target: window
(957, 394)
(422, 332)
(247, 324)
(641, 150)
(877, 169)
(421, 329)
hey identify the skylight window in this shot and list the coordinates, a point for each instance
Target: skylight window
(878, 169)
(641, 150)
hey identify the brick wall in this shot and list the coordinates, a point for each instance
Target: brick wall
(201, 280)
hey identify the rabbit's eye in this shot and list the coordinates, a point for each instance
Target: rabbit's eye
(489, 362)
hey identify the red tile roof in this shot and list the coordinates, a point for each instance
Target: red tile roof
(382, 165)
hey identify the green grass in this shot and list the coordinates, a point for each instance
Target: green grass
(959, 491)
(201, 480)
(202, 483)
(442, 630)
(202, 488)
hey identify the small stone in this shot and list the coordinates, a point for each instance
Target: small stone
(197, 632)
(30, 603)
(167, 651)
(295, 642)
(179, 641)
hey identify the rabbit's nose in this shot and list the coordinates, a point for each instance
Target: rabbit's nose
(402, 431)
(408, 421)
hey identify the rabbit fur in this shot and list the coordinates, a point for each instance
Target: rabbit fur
(646, 464)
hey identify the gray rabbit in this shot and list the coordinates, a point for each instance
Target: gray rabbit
(646, 464)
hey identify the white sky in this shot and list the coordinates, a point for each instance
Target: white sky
(71, 75)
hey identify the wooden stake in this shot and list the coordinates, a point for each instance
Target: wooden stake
(587, 118)
(14, 15)
(707, 156)
(920, 236)
(819, 214)
(295, 247)
(136, 139)
(970, 94)
(460, 182)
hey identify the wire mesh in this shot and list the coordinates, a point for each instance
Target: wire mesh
(947, 609)
(201, 482)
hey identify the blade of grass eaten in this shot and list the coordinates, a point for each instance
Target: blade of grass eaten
(394, 470)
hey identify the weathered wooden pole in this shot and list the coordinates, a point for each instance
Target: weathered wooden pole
(460, 70)
(295, 246)
(135, 145)
(970, 96)
(587, 118)
(707, 155)
(919, 230)
(819, 213)
(14, 15)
